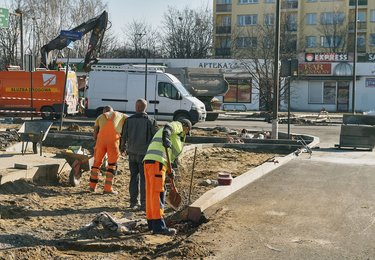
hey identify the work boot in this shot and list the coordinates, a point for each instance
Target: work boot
(110, 192)
(167, 232)
(134, 207)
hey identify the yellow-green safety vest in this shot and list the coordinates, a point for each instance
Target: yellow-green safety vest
(156, 150)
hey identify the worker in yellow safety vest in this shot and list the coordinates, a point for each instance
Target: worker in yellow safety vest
(107, 132)
(171, 136)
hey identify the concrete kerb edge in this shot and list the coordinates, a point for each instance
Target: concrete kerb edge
(219, 193)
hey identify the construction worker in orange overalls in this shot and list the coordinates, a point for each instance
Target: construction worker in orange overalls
(171, 136)
(107, 132)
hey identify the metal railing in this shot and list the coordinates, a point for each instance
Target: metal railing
(223, 29)
(223, 8)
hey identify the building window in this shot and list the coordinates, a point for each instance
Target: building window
(269, 1)
(225, 43)
(322, 92)
(311, 1)
(224, 2)
(331, 42)
(244, 20)
(372, 39)
(248, 1)
(269, 19)
(239, 91)
(291, 22)
(361, 40)
(310, 42)
(311, 19)
(332, 18)
(246, 42)
(362, 16)
(372, 15)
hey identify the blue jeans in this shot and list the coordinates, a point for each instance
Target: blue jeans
(137, 180)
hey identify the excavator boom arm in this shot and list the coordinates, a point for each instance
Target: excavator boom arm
(97, 25)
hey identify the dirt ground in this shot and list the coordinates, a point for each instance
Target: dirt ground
(47, 222)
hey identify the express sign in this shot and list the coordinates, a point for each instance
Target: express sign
(325, 56)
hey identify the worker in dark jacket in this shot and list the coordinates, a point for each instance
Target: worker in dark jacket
(171, 136)
(136, 135)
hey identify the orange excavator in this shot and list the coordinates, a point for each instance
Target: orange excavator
(97, 25)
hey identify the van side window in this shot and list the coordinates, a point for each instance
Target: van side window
(167, 90)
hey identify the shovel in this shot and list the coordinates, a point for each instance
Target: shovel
(173, 197)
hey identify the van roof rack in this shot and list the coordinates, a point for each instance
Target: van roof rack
(128, 67)
(13, 68)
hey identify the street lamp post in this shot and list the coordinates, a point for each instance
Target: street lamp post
(355, 55)
(146, 64)
(19, 12)
(275, 109)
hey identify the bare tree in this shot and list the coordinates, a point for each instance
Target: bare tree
(42, 22)
(188, 33)
(142, 39)
(334, 31)
(254, 47)
(9, 41)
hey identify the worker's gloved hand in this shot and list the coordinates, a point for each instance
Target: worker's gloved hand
(167, 143)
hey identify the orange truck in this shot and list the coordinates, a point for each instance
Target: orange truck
(38, 92)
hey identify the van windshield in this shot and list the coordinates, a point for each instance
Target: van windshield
(182, 89)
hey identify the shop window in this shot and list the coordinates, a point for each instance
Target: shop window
(239, 91)
(322, 92)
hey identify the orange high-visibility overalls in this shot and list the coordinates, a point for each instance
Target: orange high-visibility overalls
(107, 142)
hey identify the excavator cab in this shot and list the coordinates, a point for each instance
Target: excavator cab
(97, 25)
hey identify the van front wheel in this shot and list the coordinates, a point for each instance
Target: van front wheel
(181, 116)
(47, 113)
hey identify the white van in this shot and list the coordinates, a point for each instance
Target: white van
(121, 86)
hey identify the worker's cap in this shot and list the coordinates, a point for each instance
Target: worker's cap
(186, 122)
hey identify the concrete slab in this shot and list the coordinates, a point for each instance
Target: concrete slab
(41, 169)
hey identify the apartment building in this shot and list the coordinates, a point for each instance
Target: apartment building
(319, 33)
(314, 25)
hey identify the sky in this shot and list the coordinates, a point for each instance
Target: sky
(122, 12)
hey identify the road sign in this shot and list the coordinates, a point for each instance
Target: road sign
(71, 35)
(4, 18)
(70, 45)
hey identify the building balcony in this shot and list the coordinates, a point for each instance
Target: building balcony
(289, 4)
(223, 29)
(360, 2)
(360, 26)
(222, 52)
(223, 8)
(361, 48)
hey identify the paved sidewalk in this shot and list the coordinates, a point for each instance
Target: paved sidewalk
(321, 207)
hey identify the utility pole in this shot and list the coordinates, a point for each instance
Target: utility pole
(275, 104)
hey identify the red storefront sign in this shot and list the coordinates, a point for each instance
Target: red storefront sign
(315, 69)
